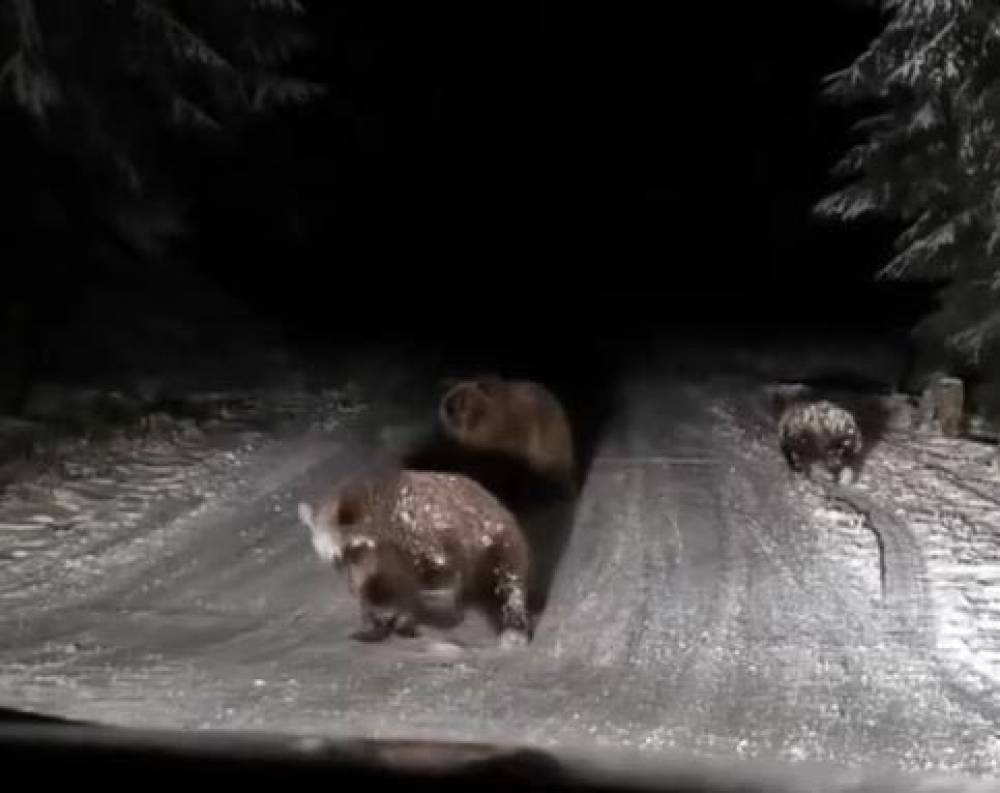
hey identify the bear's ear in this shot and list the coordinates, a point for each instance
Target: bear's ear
(477, 410)
(454, 405)
(324, 541)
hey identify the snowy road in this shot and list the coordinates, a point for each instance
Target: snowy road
(698, 605)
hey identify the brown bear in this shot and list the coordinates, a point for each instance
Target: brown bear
(400, 535)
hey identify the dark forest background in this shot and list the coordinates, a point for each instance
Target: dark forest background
(438, 168)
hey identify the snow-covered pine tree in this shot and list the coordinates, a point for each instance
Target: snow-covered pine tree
(929, 156)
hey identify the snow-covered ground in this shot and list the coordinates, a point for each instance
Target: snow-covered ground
(947, 491)
(79, 506)
(706, 601)
(943, 494)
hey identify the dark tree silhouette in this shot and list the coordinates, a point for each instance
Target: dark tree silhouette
(104, 105)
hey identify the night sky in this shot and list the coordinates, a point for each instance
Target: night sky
(596, 159)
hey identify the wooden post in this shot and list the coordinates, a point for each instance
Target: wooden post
(949, 408)
(927, 406)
